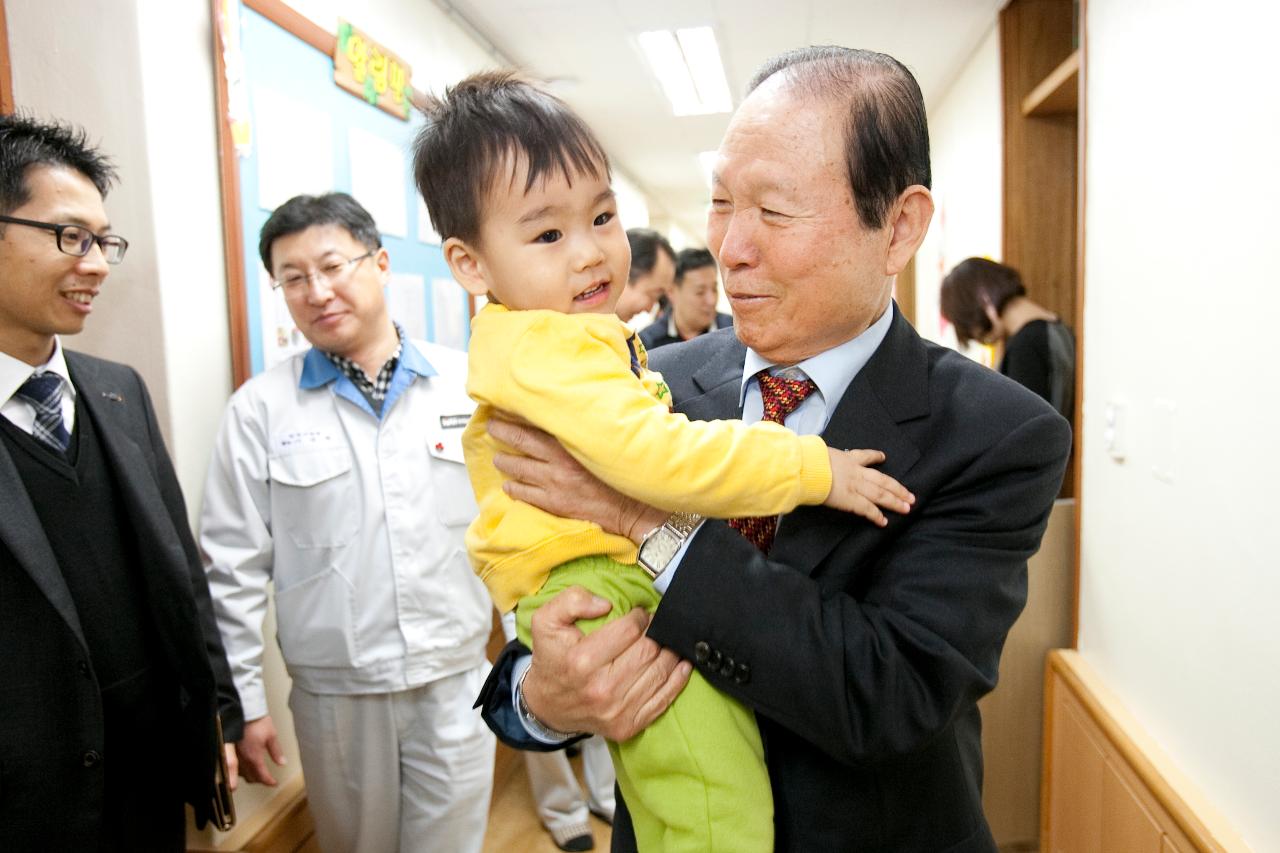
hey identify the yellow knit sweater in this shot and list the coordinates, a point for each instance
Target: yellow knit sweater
(571, 375)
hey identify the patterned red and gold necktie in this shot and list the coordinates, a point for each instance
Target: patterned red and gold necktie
(781, 396)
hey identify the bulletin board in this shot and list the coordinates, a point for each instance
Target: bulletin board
(286, 128)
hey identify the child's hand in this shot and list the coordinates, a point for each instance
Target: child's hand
(858, 489)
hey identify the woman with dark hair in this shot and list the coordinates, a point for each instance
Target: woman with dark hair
(987, 302)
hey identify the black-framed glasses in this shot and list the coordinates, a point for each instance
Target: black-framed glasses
(76, 240)
(334, 272)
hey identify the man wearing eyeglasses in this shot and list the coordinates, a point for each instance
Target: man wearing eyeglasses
(338, 476)
(112, 671)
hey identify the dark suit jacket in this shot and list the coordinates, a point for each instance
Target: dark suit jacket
(51, 716)
(862, 650)
(658, 333)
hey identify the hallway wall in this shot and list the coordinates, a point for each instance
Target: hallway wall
(966, 142)
(1180, 577)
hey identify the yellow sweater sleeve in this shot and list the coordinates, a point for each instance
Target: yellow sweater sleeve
(570, 375)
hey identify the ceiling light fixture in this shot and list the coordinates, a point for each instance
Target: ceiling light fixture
(688, 66)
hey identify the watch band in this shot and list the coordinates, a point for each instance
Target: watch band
(535, 726)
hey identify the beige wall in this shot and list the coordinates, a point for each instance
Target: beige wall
(1180, 576)
(966, 140)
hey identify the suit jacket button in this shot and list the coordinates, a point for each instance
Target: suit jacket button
(713, 660)
(83, 668)
(92, 758)
(727, 669)
(743, 674)
(700, 651)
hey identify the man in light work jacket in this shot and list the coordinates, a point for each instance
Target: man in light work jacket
(338, 475)
(862, 650)
(111, 668)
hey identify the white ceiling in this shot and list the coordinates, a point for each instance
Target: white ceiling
(587, 48)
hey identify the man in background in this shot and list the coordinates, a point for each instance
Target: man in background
(338, 475)
(653, 270)
(112, 673)
(693, 295)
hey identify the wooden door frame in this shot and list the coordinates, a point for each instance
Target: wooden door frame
(1082, 123)
(6, 78)
(303, 28)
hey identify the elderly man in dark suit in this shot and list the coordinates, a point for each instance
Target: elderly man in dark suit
(112, 670)
(862, 650)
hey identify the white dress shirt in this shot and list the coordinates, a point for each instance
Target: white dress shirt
(13, 373)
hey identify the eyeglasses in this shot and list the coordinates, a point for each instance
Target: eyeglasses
(334, 272)
(76, 240)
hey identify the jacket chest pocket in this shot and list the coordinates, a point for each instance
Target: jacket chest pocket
(315, 498)
(455, 501)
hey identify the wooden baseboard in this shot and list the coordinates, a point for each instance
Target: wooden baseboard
(1107, 785)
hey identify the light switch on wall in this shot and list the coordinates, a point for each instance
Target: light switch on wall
(1113, 432)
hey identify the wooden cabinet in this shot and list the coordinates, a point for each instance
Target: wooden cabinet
(1126, 823)
(1106, 787)
(1075, 812)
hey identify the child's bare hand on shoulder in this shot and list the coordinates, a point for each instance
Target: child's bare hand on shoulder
(860, 489)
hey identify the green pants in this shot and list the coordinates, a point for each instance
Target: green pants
(694, 780)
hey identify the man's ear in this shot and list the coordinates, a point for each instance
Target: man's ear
(910, 222)
(382, 261)
(466, 266)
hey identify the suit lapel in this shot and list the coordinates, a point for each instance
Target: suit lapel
(719, 380)
(120, 414)
(22, 532)
(118, 419)
(890, 390)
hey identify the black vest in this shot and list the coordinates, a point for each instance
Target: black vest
(77, 500)
(80, 507)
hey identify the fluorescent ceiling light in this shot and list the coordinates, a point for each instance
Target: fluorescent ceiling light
(703, 57)
(687, 65)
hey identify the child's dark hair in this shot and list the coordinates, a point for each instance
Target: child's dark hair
(483, 123)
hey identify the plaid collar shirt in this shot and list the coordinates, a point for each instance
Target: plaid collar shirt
(374, 391)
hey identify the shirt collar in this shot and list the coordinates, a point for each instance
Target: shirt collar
(412, 360)
(673, 332)
(14, 372)
(832, 370)
(318, 370)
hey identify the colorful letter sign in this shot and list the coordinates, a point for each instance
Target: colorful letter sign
(368, 70)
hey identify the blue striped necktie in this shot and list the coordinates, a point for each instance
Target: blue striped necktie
(44, 392)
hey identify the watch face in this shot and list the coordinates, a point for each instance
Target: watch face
(658, 551)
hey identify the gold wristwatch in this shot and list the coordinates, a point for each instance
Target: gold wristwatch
(662, 543)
